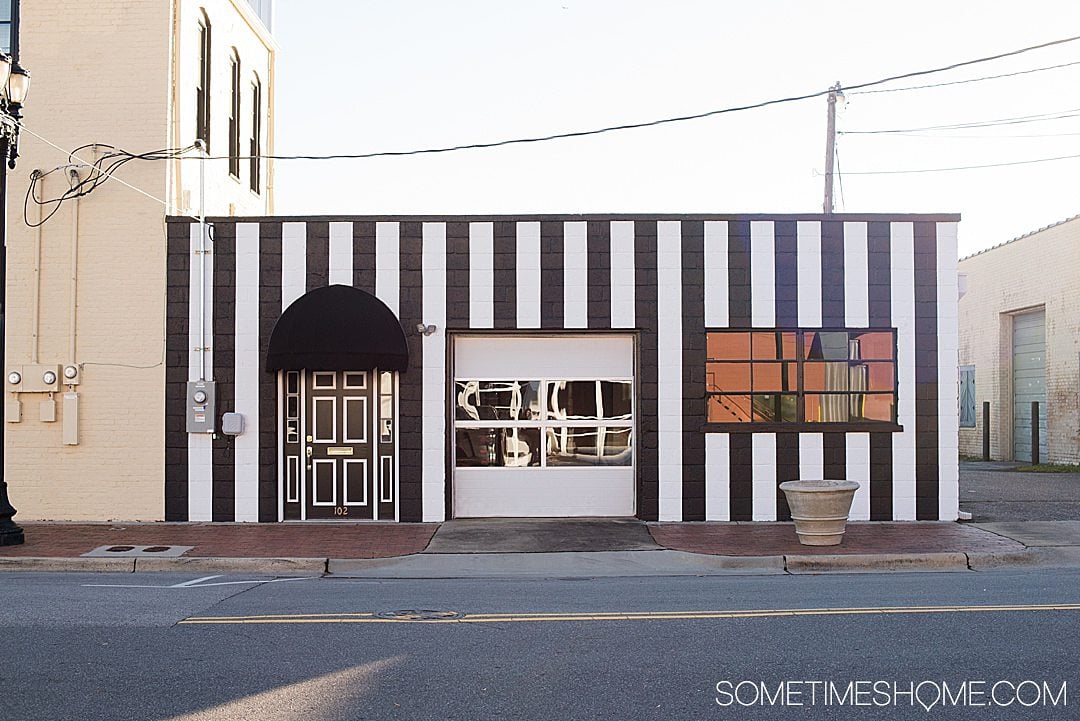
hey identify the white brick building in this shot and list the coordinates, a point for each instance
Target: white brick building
(1020, 340)
(88, 288)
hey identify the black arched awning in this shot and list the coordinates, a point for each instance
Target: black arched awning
(337, 328)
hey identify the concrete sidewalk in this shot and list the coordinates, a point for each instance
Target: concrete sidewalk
(621, 547)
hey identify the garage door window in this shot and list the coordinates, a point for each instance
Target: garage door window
(543, 423)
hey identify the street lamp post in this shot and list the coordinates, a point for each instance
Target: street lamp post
(14, 82)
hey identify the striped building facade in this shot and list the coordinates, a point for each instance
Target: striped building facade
(662, 281)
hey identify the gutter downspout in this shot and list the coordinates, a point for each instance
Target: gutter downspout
(73, 313)
(202, 261)
(35, 312)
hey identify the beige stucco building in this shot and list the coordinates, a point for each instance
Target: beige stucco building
(87, 287)
(1020, 342)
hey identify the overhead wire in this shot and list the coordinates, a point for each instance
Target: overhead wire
(1019, 120)
(962, 167)
(105, 167)
(983, 137)
(100, 171)
(968, 80)
(660, 121)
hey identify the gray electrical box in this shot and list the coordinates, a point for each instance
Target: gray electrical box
(201, 406)
(232, 424)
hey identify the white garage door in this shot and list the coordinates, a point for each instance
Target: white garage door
(543, 426)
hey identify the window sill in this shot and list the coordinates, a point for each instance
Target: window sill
(851, 427)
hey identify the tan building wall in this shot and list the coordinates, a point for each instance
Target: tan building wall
(1036, 271)
(98, 298)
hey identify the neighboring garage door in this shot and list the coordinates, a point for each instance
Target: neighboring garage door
(1029, 382)
(543, 426)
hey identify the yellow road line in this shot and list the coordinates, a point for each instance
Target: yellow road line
(623, 616)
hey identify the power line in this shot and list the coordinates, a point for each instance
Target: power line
(984, 137)
(969, 80)
(962, 167)
(661, 121)
(1020, 120)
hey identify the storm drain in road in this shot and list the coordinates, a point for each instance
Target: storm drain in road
(126, 551)
(422, 614)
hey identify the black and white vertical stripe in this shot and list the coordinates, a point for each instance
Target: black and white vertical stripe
(667, 279)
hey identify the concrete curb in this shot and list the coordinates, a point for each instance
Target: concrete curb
(1059, 556)
(272, 566)
(683, 564)
(595, 564)
(875, 562)
(980, 561)
(49, 563)
(263, 566)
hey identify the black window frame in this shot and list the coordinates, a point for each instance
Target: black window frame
(255, 149)
(202, 86)
(799, 393)
(234, 115)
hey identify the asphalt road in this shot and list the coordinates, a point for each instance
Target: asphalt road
(1006, 495)
(75, 647)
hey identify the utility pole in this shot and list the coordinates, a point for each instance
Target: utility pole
(830, 146)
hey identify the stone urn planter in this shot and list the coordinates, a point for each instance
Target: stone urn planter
(820, 509)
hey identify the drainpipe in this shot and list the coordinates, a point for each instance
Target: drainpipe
(202, 261)
(73, 309)
(35, 312)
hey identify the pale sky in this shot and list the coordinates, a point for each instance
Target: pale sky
(364, 75)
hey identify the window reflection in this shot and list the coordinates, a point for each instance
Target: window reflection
(588, 400)
(821, 376)
(538, 423)
(728, 377)
(592, 446)
(502, 447)
(497, 400)
(730, 408)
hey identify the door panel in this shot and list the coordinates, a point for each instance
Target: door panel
(356, 420)
(356, 482)
(324, 419)
(324, 482)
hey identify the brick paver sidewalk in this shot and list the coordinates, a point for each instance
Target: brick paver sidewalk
(384, 540)
(773, 539)
(230, 540)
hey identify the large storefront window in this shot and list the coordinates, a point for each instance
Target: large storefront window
(543, 423)
(801, 376)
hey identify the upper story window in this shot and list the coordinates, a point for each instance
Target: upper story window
(801, 376)
(255, 149)
(9, 32)
(234, 115)
(202, 86)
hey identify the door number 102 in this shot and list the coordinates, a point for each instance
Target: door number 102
(341, 510)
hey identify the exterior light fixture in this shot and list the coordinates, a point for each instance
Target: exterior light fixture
(18, 84)
(5, 71)
(423, 329)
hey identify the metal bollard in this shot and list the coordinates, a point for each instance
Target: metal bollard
(1034, 433)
